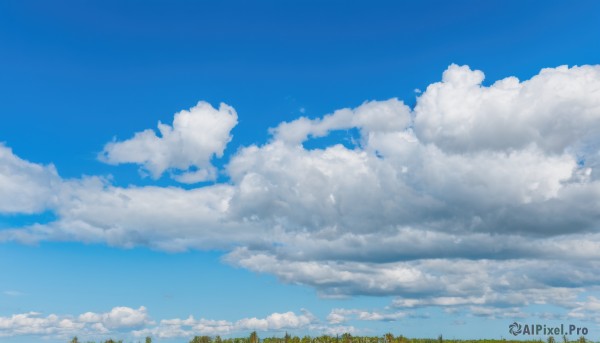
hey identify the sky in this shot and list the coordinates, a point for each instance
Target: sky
(181, 168)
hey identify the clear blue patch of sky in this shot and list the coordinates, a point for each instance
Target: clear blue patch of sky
(8, 221)
(350, 139)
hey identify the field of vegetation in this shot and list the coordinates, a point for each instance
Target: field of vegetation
(347, 338)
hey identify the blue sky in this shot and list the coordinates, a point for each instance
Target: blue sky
(362, 173)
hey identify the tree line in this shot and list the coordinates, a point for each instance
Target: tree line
(347, 338)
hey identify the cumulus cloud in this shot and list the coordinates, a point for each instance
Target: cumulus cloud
(555, 110)
(187, 147)
(130, 322)
(275, 322)
(475, 197)
(118, 317)
(62, 326)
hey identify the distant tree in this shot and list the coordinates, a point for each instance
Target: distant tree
(348, 338)
(202, 339)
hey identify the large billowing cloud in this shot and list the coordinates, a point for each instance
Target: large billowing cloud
(556, 110)
(481, 197)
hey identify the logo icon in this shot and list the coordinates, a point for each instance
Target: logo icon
(514, 328)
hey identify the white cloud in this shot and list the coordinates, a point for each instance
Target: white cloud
(188, 146)
(274, 322)
(435, 282)
(385, 116)
(277, 321)
(130, 322)
(340, 315)
(554, 110)
(586, 310)
(62, 326)
(25, 187)
(338, 278)
(118, 317)
(477, 195)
